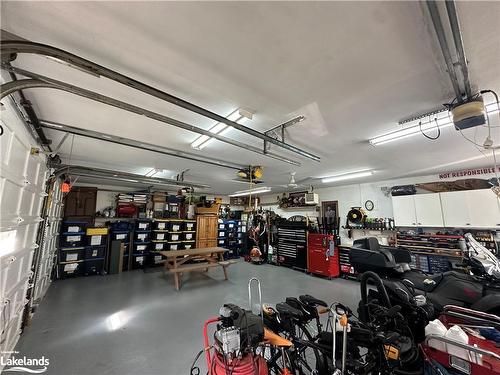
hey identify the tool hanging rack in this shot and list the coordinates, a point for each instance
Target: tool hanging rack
(11, 48)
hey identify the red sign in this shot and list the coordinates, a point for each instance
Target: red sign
(469, 172)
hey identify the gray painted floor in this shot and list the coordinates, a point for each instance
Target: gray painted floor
(136, 323)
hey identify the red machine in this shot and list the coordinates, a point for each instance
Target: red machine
(322, 255)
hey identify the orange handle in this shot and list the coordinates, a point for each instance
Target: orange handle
(275, 340)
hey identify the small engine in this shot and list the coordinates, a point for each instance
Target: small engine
(227, 336)
(238, 333)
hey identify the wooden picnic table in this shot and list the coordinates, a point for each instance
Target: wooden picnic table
(205, 258)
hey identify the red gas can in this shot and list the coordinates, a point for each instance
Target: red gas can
(322, 255)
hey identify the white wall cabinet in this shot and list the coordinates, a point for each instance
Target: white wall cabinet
(404, 211)
(428, 210)
(455, 209)
(471, 208)
(417, 210)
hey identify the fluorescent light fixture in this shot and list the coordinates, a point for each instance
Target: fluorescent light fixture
(243, 193)
(444, 120)
(239, 116)
(347, 176)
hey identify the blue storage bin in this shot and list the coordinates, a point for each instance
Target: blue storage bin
(140, 236)
(70, 226)
(93, 267)
(143, 225)
(72, 239)
(95, 252)
(71, 254)
(72, 269)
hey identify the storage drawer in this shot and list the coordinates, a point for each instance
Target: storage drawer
(73, 226)
(189, 236)
(93, 267)
(174, 236)
(156, 259)
(96, 240)
(120, 236)
(221, 242)
(71, 254)
(159, 236)
(71, 269)
(160, 225)
(222, 226)
(142, 236)
(175, 226)
(72, 239)
(95, 252)
(188, 245)
(159, 246)
(174, 246)
(141, 247)
(190, 225)
(139, 261)
(121, 226)
(143, 225)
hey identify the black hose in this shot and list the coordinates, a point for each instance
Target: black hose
(365, 277)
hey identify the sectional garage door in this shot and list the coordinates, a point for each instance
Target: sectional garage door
(22, 193)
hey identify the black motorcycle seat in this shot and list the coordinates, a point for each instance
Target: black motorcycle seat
(306, 299)
(420, 281)
(285, 310)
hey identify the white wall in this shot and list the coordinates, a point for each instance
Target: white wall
(354, 195)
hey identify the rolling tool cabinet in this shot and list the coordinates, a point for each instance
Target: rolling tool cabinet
(292, 245)
(322, 255)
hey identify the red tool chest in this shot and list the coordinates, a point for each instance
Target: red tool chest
(323, 255)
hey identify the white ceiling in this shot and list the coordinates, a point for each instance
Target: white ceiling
(352, 68)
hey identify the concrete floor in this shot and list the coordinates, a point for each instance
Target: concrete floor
(136, 323)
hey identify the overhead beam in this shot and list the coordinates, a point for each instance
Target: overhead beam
(459, 44)
(57, 126)
(40, 81)
(438, 28)
(78, 170)
(10, 48)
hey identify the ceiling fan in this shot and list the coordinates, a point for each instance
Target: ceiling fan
(292, 184)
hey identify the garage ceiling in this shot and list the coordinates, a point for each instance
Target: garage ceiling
(353, 69)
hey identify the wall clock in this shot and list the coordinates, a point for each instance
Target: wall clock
(369, 205)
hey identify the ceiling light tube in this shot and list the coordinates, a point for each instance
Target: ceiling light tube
(243, 193)
(347, 176)
(444, 120)
(238, 116)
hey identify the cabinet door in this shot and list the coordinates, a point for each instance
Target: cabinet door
(428, 210)
(202, 227)
(213, 226)
(484, 208)
(81, 201)
(455, 209)
(211, 243)
(404, 211)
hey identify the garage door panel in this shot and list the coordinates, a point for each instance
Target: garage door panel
(27, 201)
(32, 170)
(10, 199)
(18, 157)
(18, 268)
(22, 187)
(5, 144)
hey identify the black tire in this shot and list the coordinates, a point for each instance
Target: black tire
(307, 359)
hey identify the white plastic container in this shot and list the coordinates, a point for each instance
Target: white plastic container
(457, 334)
(436, 328)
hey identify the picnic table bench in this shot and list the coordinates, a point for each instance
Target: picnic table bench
(204, 258)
